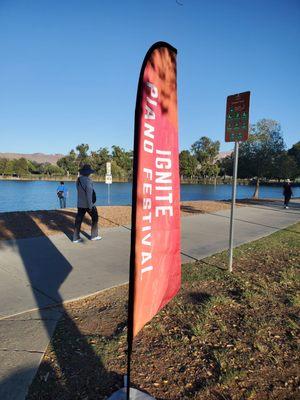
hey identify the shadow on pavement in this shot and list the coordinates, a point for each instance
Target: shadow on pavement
(45, 277)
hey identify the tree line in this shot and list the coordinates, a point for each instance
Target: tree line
(121, 161)
(22, 167)
(263, 156)
(121, 164)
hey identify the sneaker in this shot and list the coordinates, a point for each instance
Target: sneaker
(77, 240)
(97, 238)
(286, 207)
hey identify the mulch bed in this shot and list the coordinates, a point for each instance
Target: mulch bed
(24, 224)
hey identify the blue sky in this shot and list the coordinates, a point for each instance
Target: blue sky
(69, 69)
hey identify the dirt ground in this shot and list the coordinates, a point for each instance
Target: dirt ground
(23, 224)
(223, 337)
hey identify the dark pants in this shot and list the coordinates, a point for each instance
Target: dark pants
(62, 202)
(79, 218)
(287, 198)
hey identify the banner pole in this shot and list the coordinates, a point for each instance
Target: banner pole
(235, 167)
(128, 378)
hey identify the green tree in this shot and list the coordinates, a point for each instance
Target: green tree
(99, 159)
(21, 167)
(3, 163)
(68, 163)
(226, 165)
(187, 164)
(123, 158)
(43, 168)
(9, 167)
(51, 169)
(257, 155)
(206, 150)
(285, 166)
(83, 157)
(33, 167)
(294, 151)
(117, 171)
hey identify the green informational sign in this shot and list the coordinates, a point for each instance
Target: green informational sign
(237, 117)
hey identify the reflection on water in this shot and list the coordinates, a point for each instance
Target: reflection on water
(41, 195)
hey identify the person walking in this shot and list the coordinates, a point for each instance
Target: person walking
(287, 192)
(86, 199)
(62, 192)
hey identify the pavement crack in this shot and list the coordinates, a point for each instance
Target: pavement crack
(187, 255)
(23, 351)
(31, 319)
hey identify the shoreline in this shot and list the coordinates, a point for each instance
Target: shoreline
(25, 224)
(219, 181)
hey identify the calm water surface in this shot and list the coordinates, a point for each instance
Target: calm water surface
(41, 195)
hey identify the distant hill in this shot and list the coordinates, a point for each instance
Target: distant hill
(53, 158)
(38, 157)
(224, 154)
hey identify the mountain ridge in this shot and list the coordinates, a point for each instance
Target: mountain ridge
(38, 157)
(53, 158)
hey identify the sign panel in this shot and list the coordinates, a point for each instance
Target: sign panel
(108, 168)
(108, 179)
(155, 262)
(237, 117)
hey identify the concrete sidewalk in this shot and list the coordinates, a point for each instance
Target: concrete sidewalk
(40, 272)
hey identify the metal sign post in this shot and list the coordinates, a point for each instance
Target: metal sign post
(236, 129)
(235, 168)
(108, 180)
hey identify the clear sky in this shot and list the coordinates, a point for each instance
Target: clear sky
(69, 68)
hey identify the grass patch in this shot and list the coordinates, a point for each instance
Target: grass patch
(224, 336)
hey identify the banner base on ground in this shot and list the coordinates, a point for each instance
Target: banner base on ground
(134, 395)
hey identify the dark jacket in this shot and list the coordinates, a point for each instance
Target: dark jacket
(84, 192)
(287, 189)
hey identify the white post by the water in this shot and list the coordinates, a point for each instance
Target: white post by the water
(235, 167)
(108, 194)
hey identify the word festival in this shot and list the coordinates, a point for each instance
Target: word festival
(157, 183)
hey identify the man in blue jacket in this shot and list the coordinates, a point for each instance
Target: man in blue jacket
(86, 199)
(61, 192)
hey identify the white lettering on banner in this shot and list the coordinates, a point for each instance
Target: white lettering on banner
(148, 131)
(146, 269)
(163, 177)
(147, 188)
(148, 146)
(145, 241)
(146, 256)
(154, 90)
(153, 102)
(157, 187)
(150, 114)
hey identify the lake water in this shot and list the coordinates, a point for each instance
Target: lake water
(41, 195)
